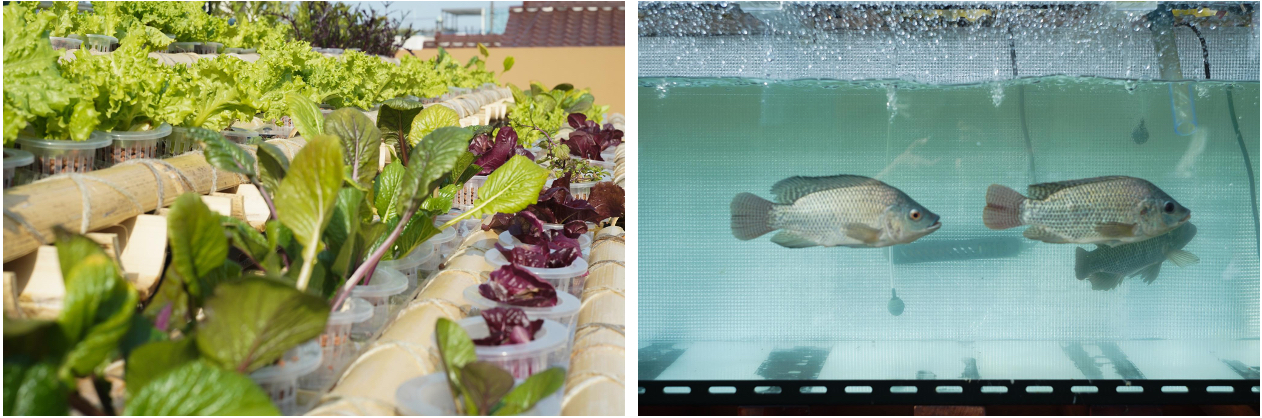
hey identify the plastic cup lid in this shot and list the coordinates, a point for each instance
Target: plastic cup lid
(509, 241)
(385, 282)
(577, 268)
(94, 141)
(428, 395)
(14, 158)
(299, 361)
(239, 132)
(443, 237)
(567, 305)
(102, 37)
(421, 255)
(354, 311)
(161, 131)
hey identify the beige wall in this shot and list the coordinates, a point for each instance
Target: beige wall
(600, 68)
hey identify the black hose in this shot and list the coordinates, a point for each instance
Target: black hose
(1248, 167)
(1204, 48)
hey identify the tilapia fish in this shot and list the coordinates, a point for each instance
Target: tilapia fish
(845, 210)
(1106, 266)
(1102, 210)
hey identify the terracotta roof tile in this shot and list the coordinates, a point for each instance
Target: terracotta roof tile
(562, 23)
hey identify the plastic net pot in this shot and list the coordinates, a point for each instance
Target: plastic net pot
(241, 136)
(416, 266)
(101, 43)
(239, 50)
(430, 395)
(65, 43)
(179, 143)
(336, 345)
(445, 242)
(280, 380)
(53, 157)
(182, 47)
(584, 242)
(465, 196)
(568, 279)
(17, 167)
(384, 292)
(565, 312)
(270, 131)
(208, 48)
(550, 348)
(130, 145)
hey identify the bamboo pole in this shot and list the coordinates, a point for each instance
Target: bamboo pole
(31, 211)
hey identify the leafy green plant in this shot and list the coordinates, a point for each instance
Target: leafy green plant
(545, 110)
(36, 95)
(482, 388)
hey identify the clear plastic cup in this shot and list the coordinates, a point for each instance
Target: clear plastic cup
(280, 380)
(565, 312)
(445, 242)
(208, 48)
(430, 395)
(16, 167)
(417, 266)
(465, 196)
(102, 43)
(272, 131)
(584, 242)
(569, 279)
(53, 157)
(336, 346)
(182, 47)
(550, 348)
(65, 43)
(384, 291)
(130, 145)
(241, 136)
(179, 143)
(239, 50)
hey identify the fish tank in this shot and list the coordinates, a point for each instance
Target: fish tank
(966, 110)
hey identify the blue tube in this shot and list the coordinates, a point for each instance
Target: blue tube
(1182, 111)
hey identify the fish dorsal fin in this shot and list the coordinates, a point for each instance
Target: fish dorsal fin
(1043, 190)
(1182, 258)
(791, 189)
(790, 240)
(1039, 233)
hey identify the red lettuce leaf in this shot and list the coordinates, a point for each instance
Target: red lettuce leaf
(563, 251)
(608, 200)
(494, 156)
(499, 223)
(527, 228)
(517, 286)
(508, 326)
(574, 229)
(525, 255)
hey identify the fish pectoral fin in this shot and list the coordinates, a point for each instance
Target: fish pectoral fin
(1039, 233)
(863, 233)
(1182, 258)
(1115, 230)
(790, 240)
(1104, 281)
(1150, 274)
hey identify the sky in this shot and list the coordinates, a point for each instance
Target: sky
(422, 14)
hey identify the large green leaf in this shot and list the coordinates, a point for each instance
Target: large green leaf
(250, 323)
(156, 359)
(33, 389)
(419, 229)
(545, 103)
(518, 95)
(464, 169)
(273, 164)
(440, 203)
(456, 349)
(583, 103)
(199, 388)
(198, 242)
(306, 115)
(394, 119)
(96, 313)
(432, 159)
(246, 239)
(528, 393)
(305, 200)
(386, 188)
(224, 154)
(484, 384)
(361, 143)
(510, 188)
(429, 120)
(72, 248)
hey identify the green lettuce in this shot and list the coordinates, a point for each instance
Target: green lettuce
(36, 95)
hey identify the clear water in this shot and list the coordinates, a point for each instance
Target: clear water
(714, 307)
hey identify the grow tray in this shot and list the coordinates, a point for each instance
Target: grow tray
(949, 373)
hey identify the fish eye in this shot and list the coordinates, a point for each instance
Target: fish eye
(915, 215)
(1169, 208)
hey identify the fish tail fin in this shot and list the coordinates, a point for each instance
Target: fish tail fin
(751, 216)
(1003, 207)
(1080, 264)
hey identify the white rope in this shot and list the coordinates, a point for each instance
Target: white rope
(21, 221)
(78, 180)
(157, 176)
